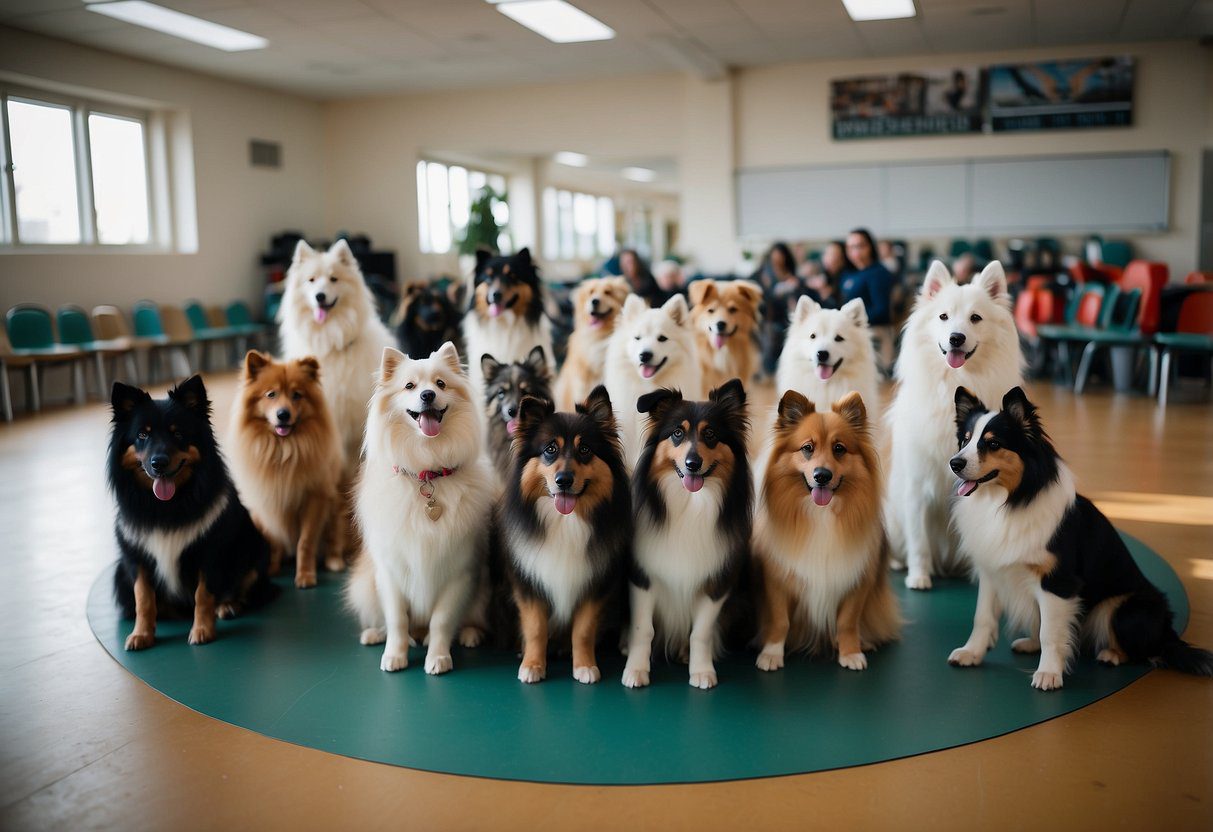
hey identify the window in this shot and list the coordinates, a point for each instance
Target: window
(76, 172)
(577, 226)
(445, 197)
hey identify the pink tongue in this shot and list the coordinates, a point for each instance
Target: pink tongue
(321, 313)
(692, 482)
(494, 309)
(595, 321)
(718, 341)
(510, 426)
(565, 503)
(164, 488)
(956, 358)
(965, 487)
(430, 426)
(282, 430)
(647, 370)
(824, 371)
(822, 496)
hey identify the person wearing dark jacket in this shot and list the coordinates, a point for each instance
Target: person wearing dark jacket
(871, 282)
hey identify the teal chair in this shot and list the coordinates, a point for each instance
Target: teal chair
(151, 335)
(1116, 253)
(205, 332)
(1122, 329)
(983, 250)
(1193, 333)
(958, 248)
(31, 335)
(1089, 309)
(76, 329)
(240, 319)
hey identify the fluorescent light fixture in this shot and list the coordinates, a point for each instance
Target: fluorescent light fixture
(879, 9)
(573, 160)
(556, 20)
(188, 27)
(639, 174)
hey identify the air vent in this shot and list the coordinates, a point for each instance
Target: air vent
(265, 154)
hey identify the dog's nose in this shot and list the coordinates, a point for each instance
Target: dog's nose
(158, 463)
(595, 303)
(495, 296)
(428, 396)
(720, 326)
(646, 357)
(512, 411)
(284, 415)
(693, 462)
(822, 475)
(564, 480)
(321, 297)
(823, 356)
(957, 463)
(956, 339)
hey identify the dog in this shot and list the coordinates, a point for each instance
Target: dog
(505, 387)
(286, 460)
(328, 313)
(694, 503)
(505, 318)
(828, 353)
(956, 336)
(1046, 556)
(422, 503)
(596, 306)
(425, 319)
(187, 544)
(819, 539)
(650, 349)
(565, 528)
(725, 316)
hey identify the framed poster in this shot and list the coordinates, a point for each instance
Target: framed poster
(925, 103)
(1062, 95)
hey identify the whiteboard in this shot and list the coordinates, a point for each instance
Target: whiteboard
(1115, 192)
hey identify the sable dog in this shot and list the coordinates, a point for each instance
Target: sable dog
(424, 320)
(287, 462)
(725, 315)
(505, 387)
(596, 306)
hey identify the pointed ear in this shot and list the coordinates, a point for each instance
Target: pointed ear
(676, 308)
(805, 307)
(454, 292)
(124, 399)
(750, 291)
(450, 355)
(851, 408)
(302, 252)
(701, 291)
(856, 311)
(341, 250)
(994, 280)
(524, 255)
(658, 402)
(310, 366)
(254, 363)
(1016, 405)
(633, 306)
(598, 407)
(730, 396)
(532, 411)
(966, 405)
(483, 255)
(793, 407)
(390, 363)
(489, 367)
(537, 361)
(937, 277)
(191, 394)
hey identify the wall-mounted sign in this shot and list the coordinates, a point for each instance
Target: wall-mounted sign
(930, 102)
(1062, 95)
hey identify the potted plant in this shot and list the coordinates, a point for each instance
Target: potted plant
(482, 230)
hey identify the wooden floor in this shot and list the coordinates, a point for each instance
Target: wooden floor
(83, 744)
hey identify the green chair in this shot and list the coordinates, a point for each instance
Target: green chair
(1194, 333)
(151, 334)
(31, 334)
(75, 329)
(1116, 253)
(1122, 329)
(205, 332)
(958, 248)
(240, 319)
(1089, 309)
(983, 250)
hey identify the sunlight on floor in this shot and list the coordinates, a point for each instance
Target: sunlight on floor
(1202, 568)
(1180, 509)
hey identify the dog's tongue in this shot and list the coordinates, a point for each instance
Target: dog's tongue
(594, 321)
(321, 314)
(164, 488)
(965, 487)
(282, 430)
(511, 425)
(824, 371)
(494, 309)
(429, 423)
(718, 341)
(956, 358)
(565, 503)
(692, 482)
(822, 496)
(648, 370)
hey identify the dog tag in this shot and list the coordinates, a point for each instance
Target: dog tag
(433, 510)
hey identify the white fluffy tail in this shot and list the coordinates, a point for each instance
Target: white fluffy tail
(361, 595)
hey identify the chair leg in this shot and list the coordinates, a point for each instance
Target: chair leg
(78, 386)
(101, 385)
(1164, 378)
(1084, 366)
(1152, 384)
(6, 393)
(33, 401)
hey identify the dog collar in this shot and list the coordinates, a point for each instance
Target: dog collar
(424, 476)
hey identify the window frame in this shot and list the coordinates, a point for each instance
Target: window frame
(424, 229)
(558, 246)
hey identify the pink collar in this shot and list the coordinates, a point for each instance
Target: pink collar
(424, 476)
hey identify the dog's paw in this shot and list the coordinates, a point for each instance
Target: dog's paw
(853, 661)
(918, 580)
(704, 679)
(228, 610)
(437, 665)
(896, 564)
(587, 675)
(202, 634)
(1044, 680)
(305, 580)
(961, 657)
(531, 673)
(471, 636)
(392, 662)
(769, 661)
(372, 635)
(635, 677)
(1111, 657)
(334, 563)
(140, 641)
(1025, 645)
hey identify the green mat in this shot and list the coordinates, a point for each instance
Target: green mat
(296, 672)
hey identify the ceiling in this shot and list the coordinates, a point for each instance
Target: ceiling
(330, 48)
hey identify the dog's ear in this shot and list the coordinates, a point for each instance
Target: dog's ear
(617, 286)
(450, 355)
(124, 399)
(1015, 404)
(532, 411)
(310, 366)
(489, 367)
(191, 394)
(537, 361)
(523, 256)
(750, 292)
(730, 398)
(483, 256)
(856, 311)
(805, 307)
(851, 408)
(598, 407)
(793, 407)
(937, 278)
(701, 291)
(254, 363)
(994, 280)
(455, 293)
(633, 306)
(658, 403)
(966, 405)
(676, 308)
(302, 252)
(390, 363)
(341, 250)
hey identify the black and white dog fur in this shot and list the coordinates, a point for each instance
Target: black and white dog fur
(505, 385)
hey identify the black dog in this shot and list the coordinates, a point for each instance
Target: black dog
(186, 541)
(425, 319)
(504, 387)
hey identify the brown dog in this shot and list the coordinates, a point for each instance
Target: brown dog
(725, 316)
(596, 305)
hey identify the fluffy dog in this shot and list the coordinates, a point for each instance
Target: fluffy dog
(651, 349)
(1046, 556)
(956, 336)
(725, 316)
(422, 502)
(566, 528)
(596, 306)
(828, 353)
(425, 319)
(328, 313)
(819, 538)
(505, 387)
(694, 509)
(187, 544)
(286, 460)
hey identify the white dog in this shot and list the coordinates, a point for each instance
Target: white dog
(422, 504)
(650, 349)
(957, 336)
(328, 312)
(828, 353)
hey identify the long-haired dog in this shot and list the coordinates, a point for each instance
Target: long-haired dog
(819, 537)
(651, 349)
(328, 313)
(186, 541)
(505, 386)
(725, 315)
(956, 336)
(425, 319)
(828, 353)
(565, 528)
(1046, 557)
(694, 501)
(287, 462)
(505, 318)
(422, 503)
(596, 306)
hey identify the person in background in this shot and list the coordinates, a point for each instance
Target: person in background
(889, 258)
(671, 280)
(873, 283)
(640, 279)
(781, 287)
(833, 265)
(964, 268)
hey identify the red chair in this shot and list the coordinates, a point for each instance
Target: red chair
(1197, 278)
(1150, 278)
(1193, 333)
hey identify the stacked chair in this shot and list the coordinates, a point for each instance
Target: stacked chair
(31, 341)
(1193, 334)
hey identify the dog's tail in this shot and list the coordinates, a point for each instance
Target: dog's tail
(361, 595)
(1177, 654)
(1143, 629)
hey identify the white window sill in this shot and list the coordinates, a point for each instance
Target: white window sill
(86, 249)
